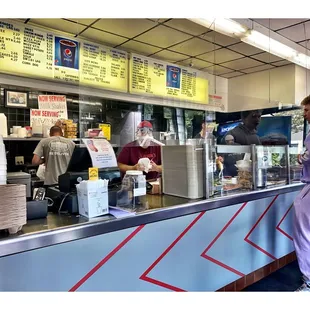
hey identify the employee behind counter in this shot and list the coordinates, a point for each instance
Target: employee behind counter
(243, 134)
(55, 152)
(142, 147)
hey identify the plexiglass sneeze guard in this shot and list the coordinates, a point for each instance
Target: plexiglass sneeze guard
(261, 166)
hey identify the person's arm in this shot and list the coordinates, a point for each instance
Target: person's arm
(38, 154)
(305, 157)
(36, 160)
(155, 167)
(123, 161)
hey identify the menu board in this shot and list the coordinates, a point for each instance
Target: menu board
(103, 66)
(154, 77)
(29, 51)
(25, 50)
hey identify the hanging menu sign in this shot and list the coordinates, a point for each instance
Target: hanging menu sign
(103, 66)
(158, 78)
(25, 50)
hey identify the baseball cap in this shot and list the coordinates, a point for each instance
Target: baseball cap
(145, 124)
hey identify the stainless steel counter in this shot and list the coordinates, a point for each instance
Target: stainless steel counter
(61, 228)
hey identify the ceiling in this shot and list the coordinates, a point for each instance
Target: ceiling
(183, 42)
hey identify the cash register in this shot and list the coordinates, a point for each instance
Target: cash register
(64, 195)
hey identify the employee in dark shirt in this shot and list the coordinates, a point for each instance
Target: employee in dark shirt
(246, 132)
(142, 147)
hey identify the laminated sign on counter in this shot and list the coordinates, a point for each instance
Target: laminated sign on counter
(101, 153)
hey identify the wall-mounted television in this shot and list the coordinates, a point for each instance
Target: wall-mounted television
(275, 130)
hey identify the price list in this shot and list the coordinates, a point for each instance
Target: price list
(153, 77)
(147, 75)
(66, 74)
(188, 88)
(25, 50)
(104, 67)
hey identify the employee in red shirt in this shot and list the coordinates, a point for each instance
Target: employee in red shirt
(142, 147)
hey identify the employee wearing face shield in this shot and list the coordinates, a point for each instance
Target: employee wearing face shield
(142, 147)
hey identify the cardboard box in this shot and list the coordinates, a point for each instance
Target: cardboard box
(93, 202)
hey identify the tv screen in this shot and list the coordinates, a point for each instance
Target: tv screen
(275, 130)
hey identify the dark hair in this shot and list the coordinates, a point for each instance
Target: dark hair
(55, 130)
(306, 101)
(245, 114)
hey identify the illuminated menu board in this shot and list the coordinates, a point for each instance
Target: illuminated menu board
(157, 78)
(28, 51)
(25, 50)
(103, 66)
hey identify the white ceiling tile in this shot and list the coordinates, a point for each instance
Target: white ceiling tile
(305, 44)
(258, 68)
(169, 56)
(102, 37)
(266, 57)
(195, 63)
(218, 38)
(278, 23)
(242, 63)
(194, 47)
(187, 26)
(282, 63)
(58, 24)
(232, 74)
(159, 20)
(221, 55)
(163, 36)
(297, 33)
(245, 49)
(138, 47)
(83, 21)
(127, 27)
(217, 70)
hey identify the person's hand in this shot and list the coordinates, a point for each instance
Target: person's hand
(139, 167)
(154, 167)
(299, 159)
(220, 158)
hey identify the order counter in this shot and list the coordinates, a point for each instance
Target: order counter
(176, 244)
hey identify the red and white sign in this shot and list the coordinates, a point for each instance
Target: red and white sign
(44, 117)
(54, 102)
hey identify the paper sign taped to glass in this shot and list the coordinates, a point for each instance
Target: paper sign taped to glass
(101, 153)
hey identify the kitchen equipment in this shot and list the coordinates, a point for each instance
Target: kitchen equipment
(261, 177)
(13, 207)
(22, 133)
(20, 178)
(133, 190)
(183, 171)
(15, 129)
(3, 125)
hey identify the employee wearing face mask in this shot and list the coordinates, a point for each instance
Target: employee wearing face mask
(142, 147)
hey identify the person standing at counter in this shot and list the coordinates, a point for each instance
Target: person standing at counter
(142, 147)
(246, 132)
(302, 210)
(56, 152)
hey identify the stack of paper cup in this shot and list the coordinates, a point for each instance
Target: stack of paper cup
(3, 163)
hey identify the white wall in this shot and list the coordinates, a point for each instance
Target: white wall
(302, 83)
(263, 89)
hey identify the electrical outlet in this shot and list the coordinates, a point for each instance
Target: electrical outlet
(19, 160)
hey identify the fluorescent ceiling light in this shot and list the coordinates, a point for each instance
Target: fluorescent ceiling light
(268, 44)
(255, 38)
(223, 25)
